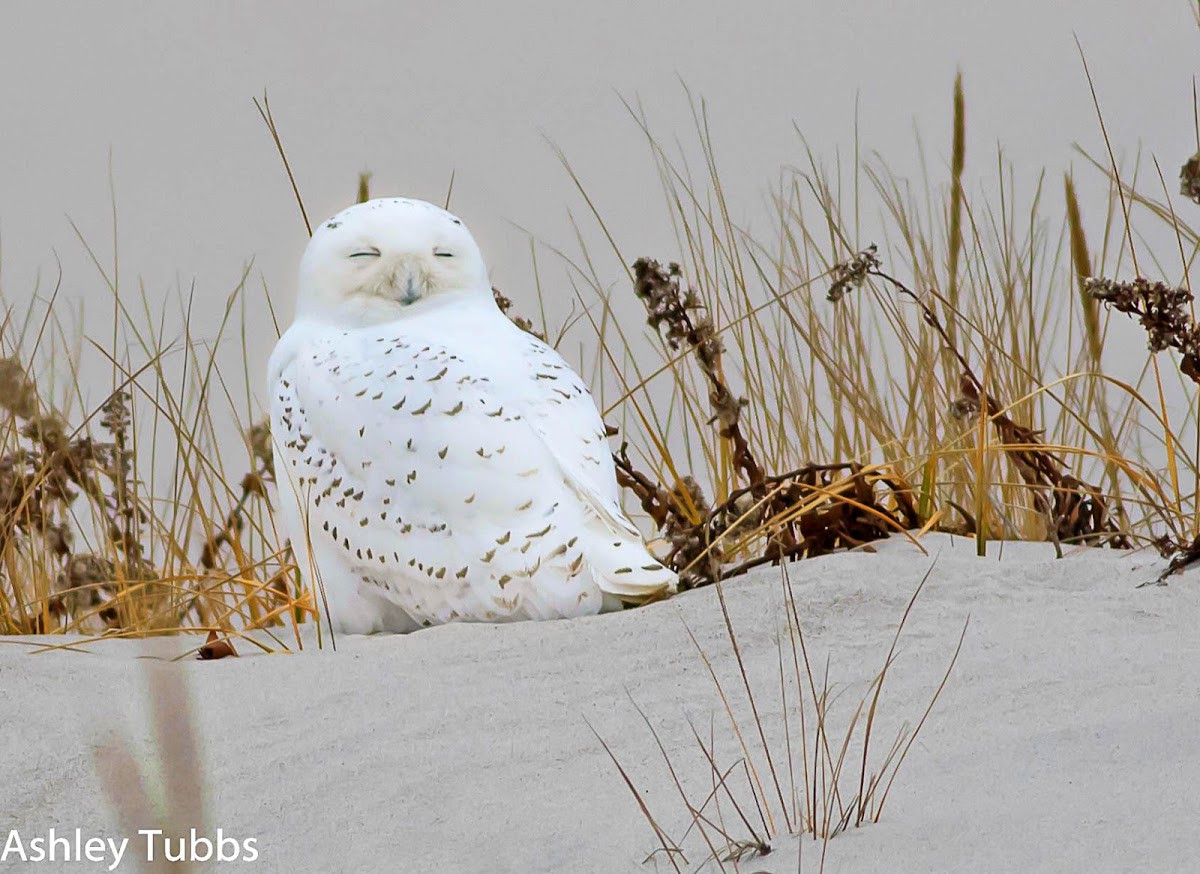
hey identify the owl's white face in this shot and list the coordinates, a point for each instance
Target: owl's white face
(381, 260)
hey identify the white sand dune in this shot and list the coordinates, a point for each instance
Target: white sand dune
(1067, 738)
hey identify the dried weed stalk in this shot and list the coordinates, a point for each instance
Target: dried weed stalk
(670, 312)
(524, 324)
(1076, 511)
(1189, 178)
(774, 517)
(1162, 311)
(254, 484)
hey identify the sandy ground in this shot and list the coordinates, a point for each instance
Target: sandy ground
(1066, 739)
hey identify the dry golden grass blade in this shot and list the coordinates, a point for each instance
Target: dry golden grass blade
(912, 738)
(747, 756)
(1081, 260)
(871, 711)
(958, 159)
(264, 110)
(667, 845)
(699, 820)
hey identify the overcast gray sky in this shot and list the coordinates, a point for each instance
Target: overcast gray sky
(416, 91)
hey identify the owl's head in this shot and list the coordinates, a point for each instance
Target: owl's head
(383, 259)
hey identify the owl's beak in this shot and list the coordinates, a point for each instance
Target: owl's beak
(412, 292)
(409, 283)
(407, 278)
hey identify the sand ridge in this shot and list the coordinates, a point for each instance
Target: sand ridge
(1064, 740)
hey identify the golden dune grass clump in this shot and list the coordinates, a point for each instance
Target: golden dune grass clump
(43, 476)
(84, 549)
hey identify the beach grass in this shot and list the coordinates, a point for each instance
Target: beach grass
(889, 357)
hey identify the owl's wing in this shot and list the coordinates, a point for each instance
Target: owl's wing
(561, 410)
(559, 407)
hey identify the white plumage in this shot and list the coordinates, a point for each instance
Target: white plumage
(435, 463)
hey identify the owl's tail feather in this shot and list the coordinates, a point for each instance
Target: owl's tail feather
(625, 569)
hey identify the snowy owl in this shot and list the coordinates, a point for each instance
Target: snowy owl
(436, 463)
